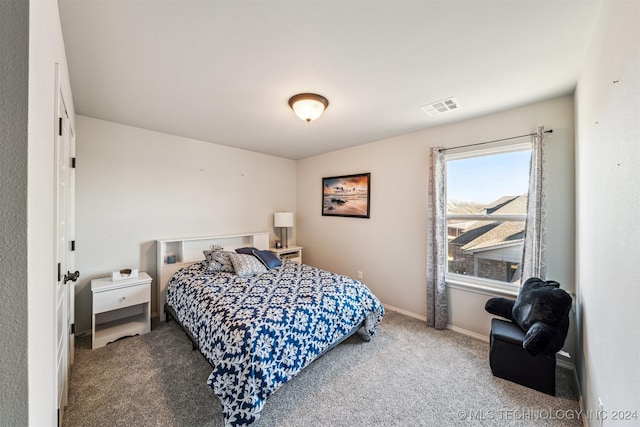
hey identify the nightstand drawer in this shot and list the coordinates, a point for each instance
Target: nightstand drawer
(120, 298)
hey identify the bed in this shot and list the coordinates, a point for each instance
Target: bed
(258, 329)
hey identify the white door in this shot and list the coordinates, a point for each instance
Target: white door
(65, 182)
(71, 235)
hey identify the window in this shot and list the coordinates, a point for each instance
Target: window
(486, 194)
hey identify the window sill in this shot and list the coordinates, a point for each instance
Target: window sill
(481, 286)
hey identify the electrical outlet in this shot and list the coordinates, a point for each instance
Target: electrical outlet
(359, 275)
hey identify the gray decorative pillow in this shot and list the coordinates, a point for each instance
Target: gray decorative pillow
(218, 260)
(212, 248)
(246, 265)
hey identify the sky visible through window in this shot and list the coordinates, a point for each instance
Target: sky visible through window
(485, 179)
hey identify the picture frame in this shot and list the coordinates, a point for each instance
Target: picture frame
(347, 195)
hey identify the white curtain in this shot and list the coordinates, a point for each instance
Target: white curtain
(533, 255)
(436, 244)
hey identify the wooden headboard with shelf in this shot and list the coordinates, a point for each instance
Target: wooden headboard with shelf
(187, 251)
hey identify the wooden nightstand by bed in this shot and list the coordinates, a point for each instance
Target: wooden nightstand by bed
(120, 308)
(292, 253)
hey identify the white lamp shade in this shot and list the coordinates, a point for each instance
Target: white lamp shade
(283, 219)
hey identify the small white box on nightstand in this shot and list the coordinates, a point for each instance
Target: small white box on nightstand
(127, 273)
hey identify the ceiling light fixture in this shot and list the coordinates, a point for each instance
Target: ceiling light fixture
(308, 106)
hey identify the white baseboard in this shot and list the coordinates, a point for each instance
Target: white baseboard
(405, 312)
(585, 420)
(468, 333)
(424, 319)
(563, 362)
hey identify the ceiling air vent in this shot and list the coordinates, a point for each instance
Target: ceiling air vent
(439, 107)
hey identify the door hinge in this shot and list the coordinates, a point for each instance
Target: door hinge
(73, 162)
(58, 417)
(59, 126)
(73, 245)
(59, 272)
(73, 328)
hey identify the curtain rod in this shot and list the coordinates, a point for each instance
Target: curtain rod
(495, 140)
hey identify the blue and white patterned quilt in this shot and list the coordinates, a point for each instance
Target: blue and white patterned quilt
(260, 331)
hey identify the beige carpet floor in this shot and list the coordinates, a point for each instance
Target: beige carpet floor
(408, 375)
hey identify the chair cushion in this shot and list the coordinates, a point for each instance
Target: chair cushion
(507, 331)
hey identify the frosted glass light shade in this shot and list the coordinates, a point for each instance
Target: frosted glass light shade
(308, 106)
(283, 219)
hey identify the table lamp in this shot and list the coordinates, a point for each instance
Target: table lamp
(283, 220)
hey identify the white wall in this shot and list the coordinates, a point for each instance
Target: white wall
(14, 78)
(135, 186)
(608, 202)
(46, 48)
(390, 247)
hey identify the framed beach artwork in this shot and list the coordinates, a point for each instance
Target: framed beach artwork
(346, 195)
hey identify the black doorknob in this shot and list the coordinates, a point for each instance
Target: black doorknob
(71, 276)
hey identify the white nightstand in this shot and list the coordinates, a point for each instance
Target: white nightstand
(121, 308)
(292, 253)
